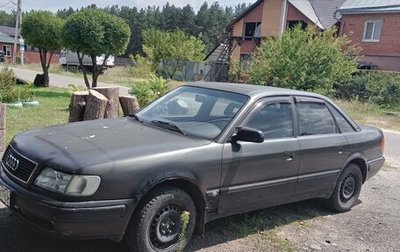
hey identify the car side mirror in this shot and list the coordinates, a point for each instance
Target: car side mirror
(249, 135)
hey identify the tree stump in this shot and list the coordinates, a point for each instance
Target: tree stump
(129, 105)
(77, 106)
(2, 127)
(96, 104)
(111, 93)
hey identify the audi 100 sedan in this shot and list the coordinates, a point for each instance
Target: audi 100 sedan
(208, 150)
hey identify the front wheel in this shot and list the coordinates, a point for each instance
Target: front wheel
(347, 189)
(159, 225)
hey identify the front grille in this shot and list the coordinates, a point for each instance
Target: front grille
(17, 165)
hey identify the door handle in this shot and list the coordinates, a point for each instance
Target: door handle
(289, 156)
(340, 151)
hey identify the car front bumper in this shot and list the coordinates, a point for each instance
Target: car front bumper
(68, 220)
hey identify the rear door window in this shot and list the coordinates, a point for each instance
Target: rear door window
(315, 119)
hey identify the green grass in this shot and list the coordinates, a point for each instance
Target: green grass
(371, 114)
(51, 111)
(262, 228)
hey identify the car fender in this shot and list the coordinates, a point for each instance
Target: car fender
(348, 161)
(159, 178)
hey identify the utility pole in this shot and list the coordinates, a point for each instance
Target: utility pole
(16, 34)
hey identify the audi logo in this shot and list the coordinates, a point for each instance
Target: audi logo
(12, 162)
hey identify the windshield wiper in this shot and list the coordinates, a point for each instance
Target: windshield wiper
(169, 125)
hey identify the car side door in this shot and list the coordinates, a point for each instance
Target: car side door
(323, 149)
(259, 175)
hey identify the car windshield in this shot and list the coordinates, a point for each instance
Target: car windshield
(194, 111)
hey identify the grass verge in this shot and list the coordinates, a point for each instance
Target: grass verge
(51, 111)
(371, 114)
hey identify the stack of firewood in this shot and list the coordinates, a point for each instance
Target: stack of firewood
(100, 103)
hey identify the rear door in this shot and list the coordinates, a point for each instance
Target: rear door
(323, 149)
(258, 175)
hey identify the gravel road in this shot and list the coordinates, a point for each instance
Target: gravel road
(372, 225)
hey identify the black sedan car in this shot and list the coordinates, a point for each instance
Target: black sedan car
(206, 150)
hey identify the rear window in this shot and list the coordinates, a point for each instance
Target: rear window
(315, 119)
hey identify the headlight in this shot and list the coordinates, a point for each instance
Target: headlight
(73, 185)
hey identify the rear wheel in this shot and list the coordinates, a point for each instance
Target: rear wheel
(158, 225)
(347, 190)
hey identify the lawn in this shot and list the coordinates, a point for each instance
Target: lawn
(53, 109)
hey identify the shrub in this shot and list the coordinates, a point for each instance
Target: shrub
(8, 91)
(142, 68)
(238, 71)
(148, 90)
(26, 93)
(304, 60)
(382, 88)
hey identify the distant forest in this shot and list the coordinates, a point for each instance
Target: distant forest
(207, 23)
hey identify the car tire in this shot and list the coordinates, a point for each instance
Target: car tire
(347, 189)
(157, 224)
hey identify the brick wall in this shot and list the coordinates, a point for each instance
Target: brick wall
(31, 57)
(34, 57)
(385, 53)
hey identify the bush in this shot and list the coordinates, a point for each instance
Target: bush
(304, 60)
(148, 90)
(8, 91)
(142, 68)
(382, 88)
(26, 93)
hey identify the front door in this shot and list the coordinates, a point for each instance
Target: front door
(259, 175)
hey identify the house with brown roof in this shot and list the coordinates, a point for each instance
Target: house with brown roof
(266, 18)
(374, 26)
(31, 54)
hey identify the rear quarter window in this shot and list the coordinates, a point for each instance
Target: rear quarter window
(343, 124)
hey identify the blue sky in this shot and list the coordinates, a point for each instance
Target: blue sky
(54, 5)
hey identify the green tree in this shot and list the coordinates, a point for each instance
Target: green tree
(305, 60)
(171, 49)
(94, 32)
(42, 29)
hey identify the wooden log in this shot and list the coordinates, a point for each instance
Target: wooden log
(96, 104)
(2, 127)
(77, 106)
(129, 105)
(111, 93)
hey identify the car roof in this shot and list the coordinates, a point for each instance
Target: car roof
(251, 90)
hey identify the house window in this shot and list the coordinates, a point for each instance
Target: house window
(7, 50)
(293, 23)
(250, 30)
(372, 31)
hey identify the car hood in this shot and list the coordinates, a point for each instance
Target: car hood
(74, 146)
